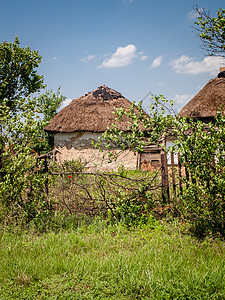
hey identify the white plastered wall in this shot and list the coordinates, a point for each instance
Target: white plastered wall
(77, 145)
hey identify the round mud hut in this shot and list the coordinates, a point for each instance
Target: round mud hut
(206, 104)
(83, 121)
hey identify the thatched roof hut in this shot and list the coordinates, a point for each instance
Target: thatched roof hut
(83, 121)
(206, 104)
(92, 112)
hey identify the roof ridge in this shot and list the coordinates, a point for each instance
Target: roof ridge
(105, 93)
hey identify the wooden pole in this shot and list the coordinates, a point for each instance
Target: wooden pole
(180, 175)
(167, 176)
(164, 177)
(138, 160)
(173, 173)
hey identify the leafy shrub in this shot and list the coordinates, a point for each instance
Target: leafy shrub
(72, 166)
(132, 208)
(201, 148)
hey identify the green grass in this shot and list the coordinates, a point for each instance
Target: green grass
(110, 263)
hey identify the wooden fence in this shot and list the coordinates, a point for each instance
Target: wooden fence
(88, 193)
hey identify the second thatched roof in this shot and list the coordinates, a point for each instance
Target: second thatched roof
(92, 112)
(207, 102)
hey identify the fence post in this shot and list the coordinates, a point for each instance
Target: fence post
(173, 173)
(164, 176)
(180, 174)
(138, 160)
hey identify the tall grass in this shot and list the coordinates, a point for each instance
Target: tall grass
(96, 262)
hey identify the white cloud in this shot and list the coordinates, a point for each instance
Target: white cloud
(182, 99)
(192, 15)
(122, 57)
(88, 58)
(187, 65)
(144, 57)
(141, 55)
(65, 103)
(54, 58)
(156, 62)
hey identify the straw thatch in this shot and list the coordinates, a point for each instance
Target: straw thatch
(207, 102)
(92, 112)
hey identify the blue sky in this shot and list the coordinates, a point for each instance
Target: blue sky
(132, 46)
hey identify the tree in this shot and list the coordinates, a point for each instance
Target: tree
(211, 31)
(49, 102)
(22, 188)
(141, 128)
(18, 74)
(18, 78)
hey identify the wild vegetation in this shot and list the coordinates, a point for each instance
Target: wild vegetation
(135, 245)
(201, 150)
(102, 262)
(21, 130)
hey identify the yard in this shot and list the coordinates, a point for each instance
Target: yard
(111, 262)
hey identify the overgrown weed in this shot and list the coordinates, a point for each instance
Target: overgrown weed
(105, 261)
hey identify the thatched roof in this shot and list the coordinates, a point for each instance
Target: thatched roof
(92, 112)
(207, 102)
